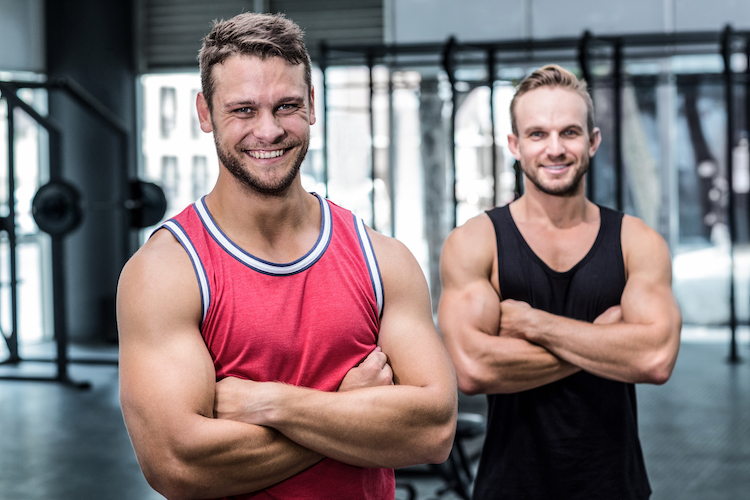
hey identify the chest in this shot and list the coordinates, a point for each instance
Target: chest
(306, 329)
(560, 248)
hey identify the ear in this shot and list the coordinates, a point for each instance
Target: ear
(513, 146)
(204, 115)
(594, 141)
(312, 105)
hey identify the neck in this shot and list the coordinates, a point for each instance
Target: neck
(258, 221)
(558, 211)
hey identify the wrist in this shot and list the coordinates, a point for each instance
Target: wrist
(276, 403)
(535, 329)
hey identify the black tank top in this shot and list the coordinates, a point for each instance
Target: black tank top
(576, 438)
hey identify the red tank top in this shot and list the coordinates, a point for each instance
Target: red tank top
(304, 323)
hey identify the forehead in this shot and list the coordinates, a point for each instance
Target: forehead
(551, 106)
(252, 77)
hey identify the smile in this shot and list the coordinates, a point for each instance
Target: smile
(265, 155)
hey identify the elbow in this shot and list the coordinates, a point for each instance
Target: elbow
(473, 380)
(169, 486)
(659, 369)
(469, 385)
(171, 478)
(658, 375)
(441, 442)
(469, 379)
(437, 440)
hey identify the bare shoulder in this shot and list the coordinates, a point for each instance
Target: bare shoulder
(643, 248)
(396, 262)
(470, 250)
(158, 277)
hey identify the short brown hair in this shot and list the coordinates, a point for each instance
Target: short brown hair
(259, 35)
(553, 75)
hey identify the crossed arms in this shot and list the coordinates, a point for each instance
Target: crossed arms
(268, 432)
(507, 346)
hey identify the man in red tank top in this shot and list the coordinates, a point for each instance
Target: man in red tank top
(272, 346)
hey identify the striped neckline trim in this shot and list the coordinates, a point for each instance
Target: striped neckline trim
(264, 266)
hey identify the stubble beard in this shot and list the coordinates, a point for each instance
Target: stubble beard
(233, 162)
(565, 190)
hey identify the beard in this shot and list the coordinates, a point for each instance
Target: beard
(233, 162)
(566, 190)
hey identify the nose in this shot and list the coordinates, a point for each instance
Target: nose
(555, 146)
(267, 128)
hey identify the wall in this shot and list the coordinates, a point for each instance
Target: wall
(91, 42)
(418, 21)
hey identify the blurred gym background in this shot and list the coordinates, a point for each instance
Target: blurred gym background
(99, 142)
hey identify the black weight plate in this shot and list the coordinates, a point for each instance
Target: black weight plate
(56, 208)
(148, 204)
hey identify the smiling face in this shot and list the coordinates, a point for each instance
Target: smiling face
(262, 112)
(553, 143)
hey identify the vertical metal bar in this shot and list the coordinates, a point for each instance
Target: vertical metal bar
(747, 97)
(584, 63)
(392, 163)
(448, 66)
(491, 82)
(370, 64)
(323, 67)
(726, 52)
(617, 135)
(11, 229)
(59, 308)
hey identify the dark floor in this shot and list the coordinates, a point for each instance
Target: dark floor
(62, 443)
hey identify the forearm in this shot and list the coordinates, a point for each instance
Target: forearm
(394, 426)
(210, 458)
(509, 365)
(628, 352)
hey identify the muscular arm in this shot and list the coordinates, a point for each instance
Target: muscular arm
(643, 346)
(167, 383)
(410, 422)
(469, 319)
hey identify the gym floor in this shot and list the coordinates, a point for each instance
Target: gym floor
(63, 443)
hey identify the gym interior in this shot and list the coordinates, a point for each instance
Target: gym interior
(100, 142)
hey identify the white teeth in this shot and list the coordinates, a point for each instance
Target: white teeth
(265, 155)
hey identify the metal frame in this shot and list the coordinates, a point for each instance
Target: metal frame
(8, 91)
(585, 50)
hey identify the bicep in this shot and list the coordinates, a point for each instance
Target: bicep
(469, 304)
(647, 297)
(166, 374)
(407, 332)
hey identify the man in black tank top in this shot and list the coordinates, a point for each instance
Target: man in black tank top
(555, 307)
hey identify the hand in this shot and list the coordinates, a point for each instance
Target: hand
(373, 371)
(610, 316)
(514, 319)
(242, 400)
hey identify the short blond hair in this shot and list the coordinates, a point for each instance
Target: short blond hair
(553, 75)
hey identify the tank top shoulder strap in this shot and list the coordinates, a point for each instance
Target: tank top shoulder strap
(177, 226)
(365, 245)
(503, 224)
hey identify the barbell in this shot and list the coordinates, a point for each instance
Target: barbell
(58, 207)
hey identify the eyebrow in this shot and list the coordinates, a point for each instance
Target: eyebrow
(536, 128)
(254, 104)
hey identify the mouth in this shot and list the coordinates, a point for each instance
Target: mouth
(555, 168)
(264, 154)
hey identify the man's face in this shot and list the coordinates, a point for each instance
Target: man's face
(553, 143)
(261, 119)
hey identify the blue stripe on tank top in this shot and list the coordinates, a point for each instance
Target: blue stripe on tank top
(179, 233)
(372, 263)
